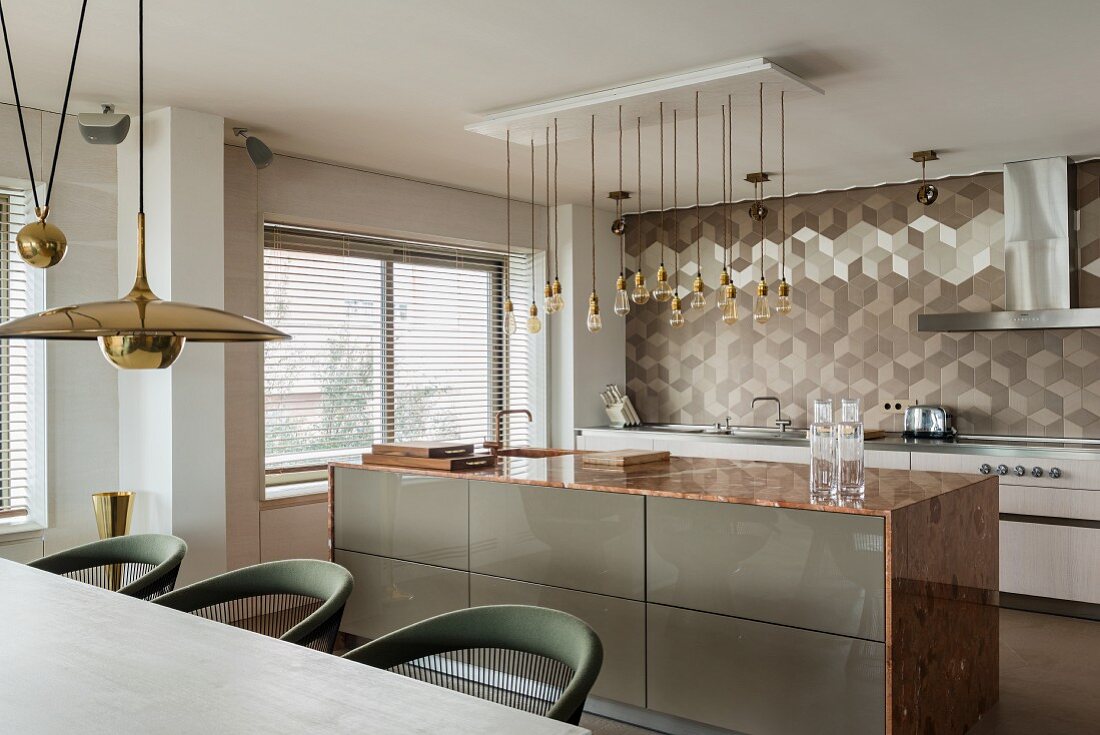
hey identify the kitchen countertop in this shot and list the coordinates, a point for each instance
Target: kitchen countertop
(715, 480)
(893, 442)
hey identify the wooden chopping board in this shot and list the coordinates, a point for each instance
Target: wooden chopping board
(446, 464)
(624, 457)
(425, 449)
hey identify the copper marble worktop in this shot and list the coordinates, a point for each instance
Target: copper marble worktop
(715, 480)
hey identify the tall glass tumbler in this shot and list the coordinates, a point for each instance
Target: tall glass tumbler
(823, 448)
(850, 483)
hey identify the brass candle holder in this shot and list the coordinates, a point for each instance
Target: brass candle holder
(113, 511)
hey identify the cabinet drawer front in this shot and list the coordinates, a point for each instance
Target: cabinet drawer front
(1076, 473)
(577, 539)
(810, 569)
(758, 678)
(885, 460)
(1055, 502)
(619, 623)
(407, 517)
(1062, 562)
(389, 594)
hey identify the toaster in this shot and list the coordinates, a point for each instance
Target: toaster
(928, 422)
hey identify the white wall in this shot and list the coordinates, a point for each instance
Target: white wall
(82, 392)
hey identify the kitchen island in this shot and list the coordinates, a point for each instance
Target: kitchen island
(723, 593)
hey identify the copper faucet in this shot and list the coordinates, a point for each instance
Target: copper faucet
(498, 420)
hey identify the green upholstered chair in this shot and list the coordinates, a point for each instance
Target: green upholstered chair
(296, 600)
(531, 658)
(144, 565)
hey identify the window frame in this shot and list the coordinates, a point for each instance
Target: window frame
(307, 479)
(36, 517)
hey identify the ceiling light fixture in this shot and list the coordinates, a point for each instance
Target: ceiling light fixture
(140, 331)
(926, 193)
(677, 318)
(103, 128)
(783, 303)
(662, 291)
(622, 300)
(727, 296)
(258, 151)
(698, 299)
(509, 308)
(594, 323)
(534, 326)
(640, 294)
(40, 243)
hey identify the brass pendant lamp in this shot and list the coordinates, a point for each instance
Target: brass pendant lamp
(618, 228)
(676, 320)
(698, 298)
(594, 323)
(783, 304)
(140, 331)
(509, 307)
(663, 290)
(640, 294)
(534, 324)
(42, 244)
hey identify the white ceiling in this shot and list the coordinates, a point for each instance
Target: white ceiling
(389, 85)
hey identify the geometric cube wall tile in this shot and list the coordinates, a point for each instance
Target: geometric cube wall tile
(862, 264)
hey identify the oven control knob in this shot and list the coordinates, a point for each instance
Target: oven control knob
(1020, 470)
(985, 469)
(1036, 471)
(1055, 472)
(1002, 469)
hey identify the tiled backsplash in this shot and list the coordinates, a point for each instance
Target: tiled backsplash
(862, 264)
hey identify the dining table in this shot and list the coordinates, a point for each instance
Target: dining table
(80, 659)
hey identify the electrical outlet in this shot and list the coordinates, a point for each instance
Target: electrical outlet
(897, 405)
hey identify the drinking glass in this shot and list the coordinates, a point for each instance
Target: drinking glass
(850, 482)
(823, 448)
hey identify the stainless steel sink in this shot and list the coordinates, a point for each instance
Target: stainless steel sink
(763, 432)
(748, 432)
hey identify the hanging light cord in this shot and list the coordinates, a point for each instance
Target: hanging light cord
(725, 223)
(557, 244)
(760, 188)
(592, 143)
(729, 201)
(532, 215)
(675, 201)
(508, 212)
(549, 249)
(619, 202)
(698, 212)
(640, 243)
(782, 190)
(141, 107)
(64, 104)
(664, 234)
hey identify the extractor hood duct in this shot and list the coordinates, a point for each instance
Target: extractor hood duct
(1040, 256)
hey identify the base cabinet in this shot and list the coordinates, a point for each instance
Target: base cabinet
(619, 623)
(763, 679)
(390, 594)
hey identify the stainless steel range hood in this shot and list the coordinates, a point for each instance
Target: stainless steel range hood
(1040, 256)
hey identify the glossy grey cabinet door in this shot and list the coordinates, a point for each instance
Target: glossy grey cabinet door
(763, 679)
(390, 594)
(619, 623)
(407, 517)
(577, 539)
(810, 569)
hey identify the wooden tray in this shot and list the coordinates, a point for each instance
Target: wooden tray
(624, 457)
(869, 434)
(425, 449)
(447, 464)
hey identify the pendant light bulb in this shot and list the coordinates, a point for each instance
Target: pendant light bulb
(761, 310)
(556, 300)
(548, 298)
(663, 291)
(723, 290)
(595, 323)
(509, 318)
(640, 294)
(622, 299)
(41, 244)
(729, 308)
(534, 325)
(783, 303)
(698, 300)
(677, 319)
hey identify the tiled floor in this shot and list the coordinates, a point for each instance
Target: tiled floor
(1050, 680)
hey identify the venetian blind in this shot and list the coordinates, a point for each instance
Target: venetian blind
(17, 369)
(392, 341)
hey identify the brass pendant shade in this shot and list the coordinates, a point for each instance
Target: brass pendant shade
(41, 244)
(140, 331)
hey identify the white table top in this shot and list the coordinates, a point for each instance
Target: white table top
(78, 659)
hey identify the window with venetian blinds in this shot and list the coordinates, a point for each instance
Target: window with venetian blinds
(21, 384)
(392, 341)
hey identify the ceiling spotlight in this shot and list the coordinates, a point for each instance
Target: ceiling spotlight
(104, 128)
(259, 153)
(927, 193)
